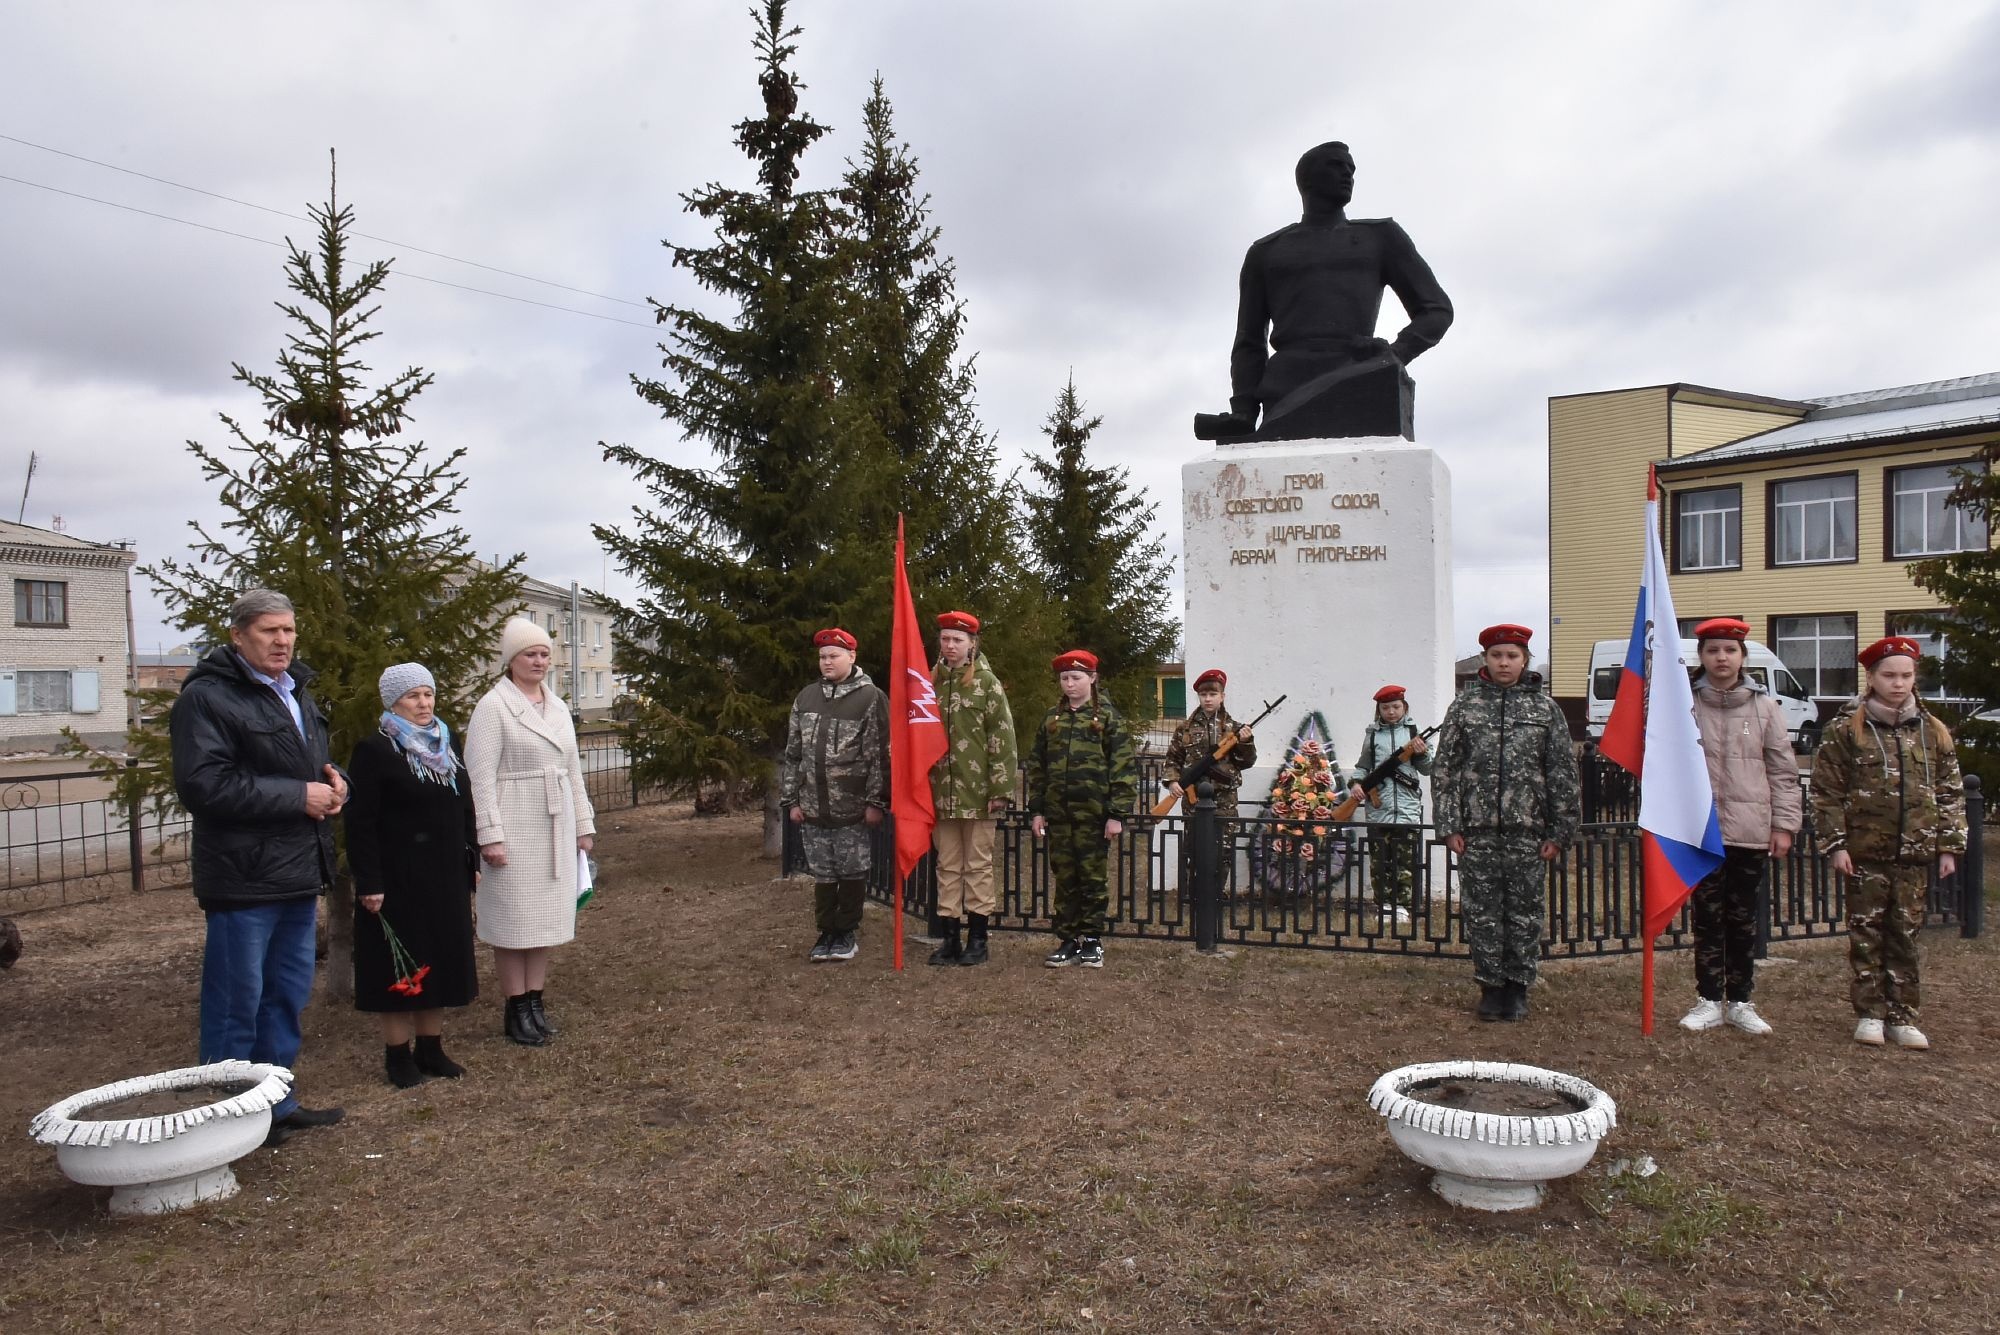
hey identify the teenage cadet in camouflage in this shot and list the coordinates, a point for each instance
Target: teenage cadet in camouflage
(1756, 785)
(1507, 805)
(1200, 735)
(971, 784)
(1396, 844)
(1887, 807)
(1083, 781)
(835, 787)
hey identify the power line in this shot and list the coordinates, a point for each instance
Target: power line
(266, 241)
(281, 213)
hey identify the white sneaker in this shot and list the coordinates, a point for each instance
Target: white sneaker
(1744, 1016)
(1869, 1031)
(1705, 1015)
(1908, 1036)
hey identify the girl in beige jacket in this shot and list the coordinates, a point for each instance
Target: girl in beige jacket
(1757, 804)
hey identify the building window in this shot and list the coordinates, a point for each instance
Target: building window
(1812, 520)
(1819, 650)
(41, 602)
(600, 685)
(1932, 642)
(1922, 520)
(41, 692)
(1708, 529)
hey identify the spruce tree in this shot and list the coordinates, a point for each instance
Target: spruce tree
(1103, 570)
(1969, 584)
(328, 502)
(741, 562)
(906, 375)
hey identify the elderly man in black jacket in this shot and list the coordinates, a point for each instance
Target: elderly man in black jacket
(251, 765)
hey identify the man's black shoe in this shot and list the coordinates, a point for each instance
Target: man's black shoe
(1517, 1002)
(300, 1119)
(951, 952)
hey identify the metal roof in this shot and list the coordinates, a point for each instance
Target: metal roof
(1970, 403)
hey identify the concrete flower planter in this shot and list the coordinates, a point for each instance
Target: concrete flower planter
(173, 1160)
(1493, 1161)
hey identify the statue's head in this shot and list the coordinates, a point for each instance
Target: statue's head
(1326, 176)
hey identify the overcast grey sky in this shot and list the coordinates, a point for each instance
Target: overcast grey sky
(1786, 198)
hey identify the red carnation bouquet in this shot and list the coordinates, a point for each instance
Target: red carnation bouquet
(409, 975)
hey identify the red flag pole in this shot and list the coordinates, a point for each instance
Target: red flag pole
(1646, 988)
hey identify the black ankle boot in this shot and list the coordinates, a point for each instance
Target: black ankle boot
(541, 1017)
(975, 940)
(431, 1059)
(521, 1023)
(1492, 1002)
(951, 952)
(401, 1066)
(1516, 1001)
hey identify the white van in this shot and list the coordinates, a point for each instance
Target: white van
(1607, 663)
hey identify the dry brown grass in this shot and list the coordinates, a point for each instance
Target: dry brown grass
(728, 1139)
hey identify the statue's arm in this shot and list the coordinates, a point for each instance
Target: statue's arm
(1417, 288)
(1252, 347)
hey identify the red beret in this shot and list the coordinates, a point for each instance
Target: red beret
(1076, 660)
(1505, 633)
(1889, 647)
(964, 621)
(1722, 628)
(1388, 693)
(835, 635)
(1216, 675)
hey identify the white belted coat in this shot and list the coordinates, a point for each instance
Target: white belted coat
(527, 792)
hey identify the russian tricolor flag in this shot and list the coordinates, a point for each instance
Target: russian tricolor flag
(1652, 733)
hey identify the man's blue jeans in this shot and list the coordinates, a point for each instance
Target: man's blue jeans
(256, 977)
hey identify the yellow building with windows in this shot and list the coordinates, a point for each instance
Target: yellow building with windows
(1799, 516)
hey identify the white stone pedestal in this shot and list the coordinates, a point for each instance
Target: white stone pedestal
(1319, 569)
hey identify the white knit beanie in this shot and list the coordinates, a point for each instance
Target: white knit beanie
(400, 680)
(521, 633)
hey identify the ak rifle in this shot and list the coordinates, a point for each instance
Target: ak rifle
(1371, 782)
(1201, 768)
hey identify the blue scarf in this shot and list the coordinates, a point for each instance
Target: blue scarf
(428, 750)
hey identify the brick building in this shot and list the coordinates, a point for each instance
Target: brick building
(65, 654)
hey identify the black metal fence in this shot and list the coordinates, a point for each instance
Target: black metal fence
(67, 840)
(1272, 887)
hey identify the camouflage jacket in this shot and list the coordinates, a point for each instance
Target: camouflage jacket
(981, 756)
(1199, 736)
(1887, 792)
(1082, 766)
(1505, 764)
(837, 751)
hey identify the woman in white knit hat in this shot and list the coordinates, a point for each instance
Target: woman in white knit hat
(410, 841)
(533, 819)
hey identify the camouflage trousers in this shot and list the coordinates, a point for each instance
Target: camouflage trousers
(1725, 925)
(1078, 861)
(1885, 907)
(837, 852)
(1503, 890)
(1394, 854)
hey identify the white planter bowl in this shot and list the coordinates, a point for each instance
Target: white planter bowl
(1491, 1161)
(174, 1160)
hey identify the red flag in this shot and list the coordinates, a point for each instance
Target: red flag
(916, 737)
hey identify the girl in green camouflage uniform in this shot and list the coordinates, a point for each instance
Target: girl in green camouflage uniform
(1887, 807)
(1083, 780)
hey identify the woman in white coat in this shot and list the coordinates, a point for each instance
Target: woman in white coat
(534, 818)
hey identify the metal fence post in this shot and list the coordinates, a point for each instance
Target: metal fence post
(1207, 887)
(135, 840)
(1972, 864)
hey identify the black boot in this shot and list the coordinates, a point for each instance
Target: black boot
(1516, 1002)
(951, 952)
(540, 1016)
(975, 940)
(431, 1059)
(401, 1066)
(1493, 1003)
(521, 1023)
